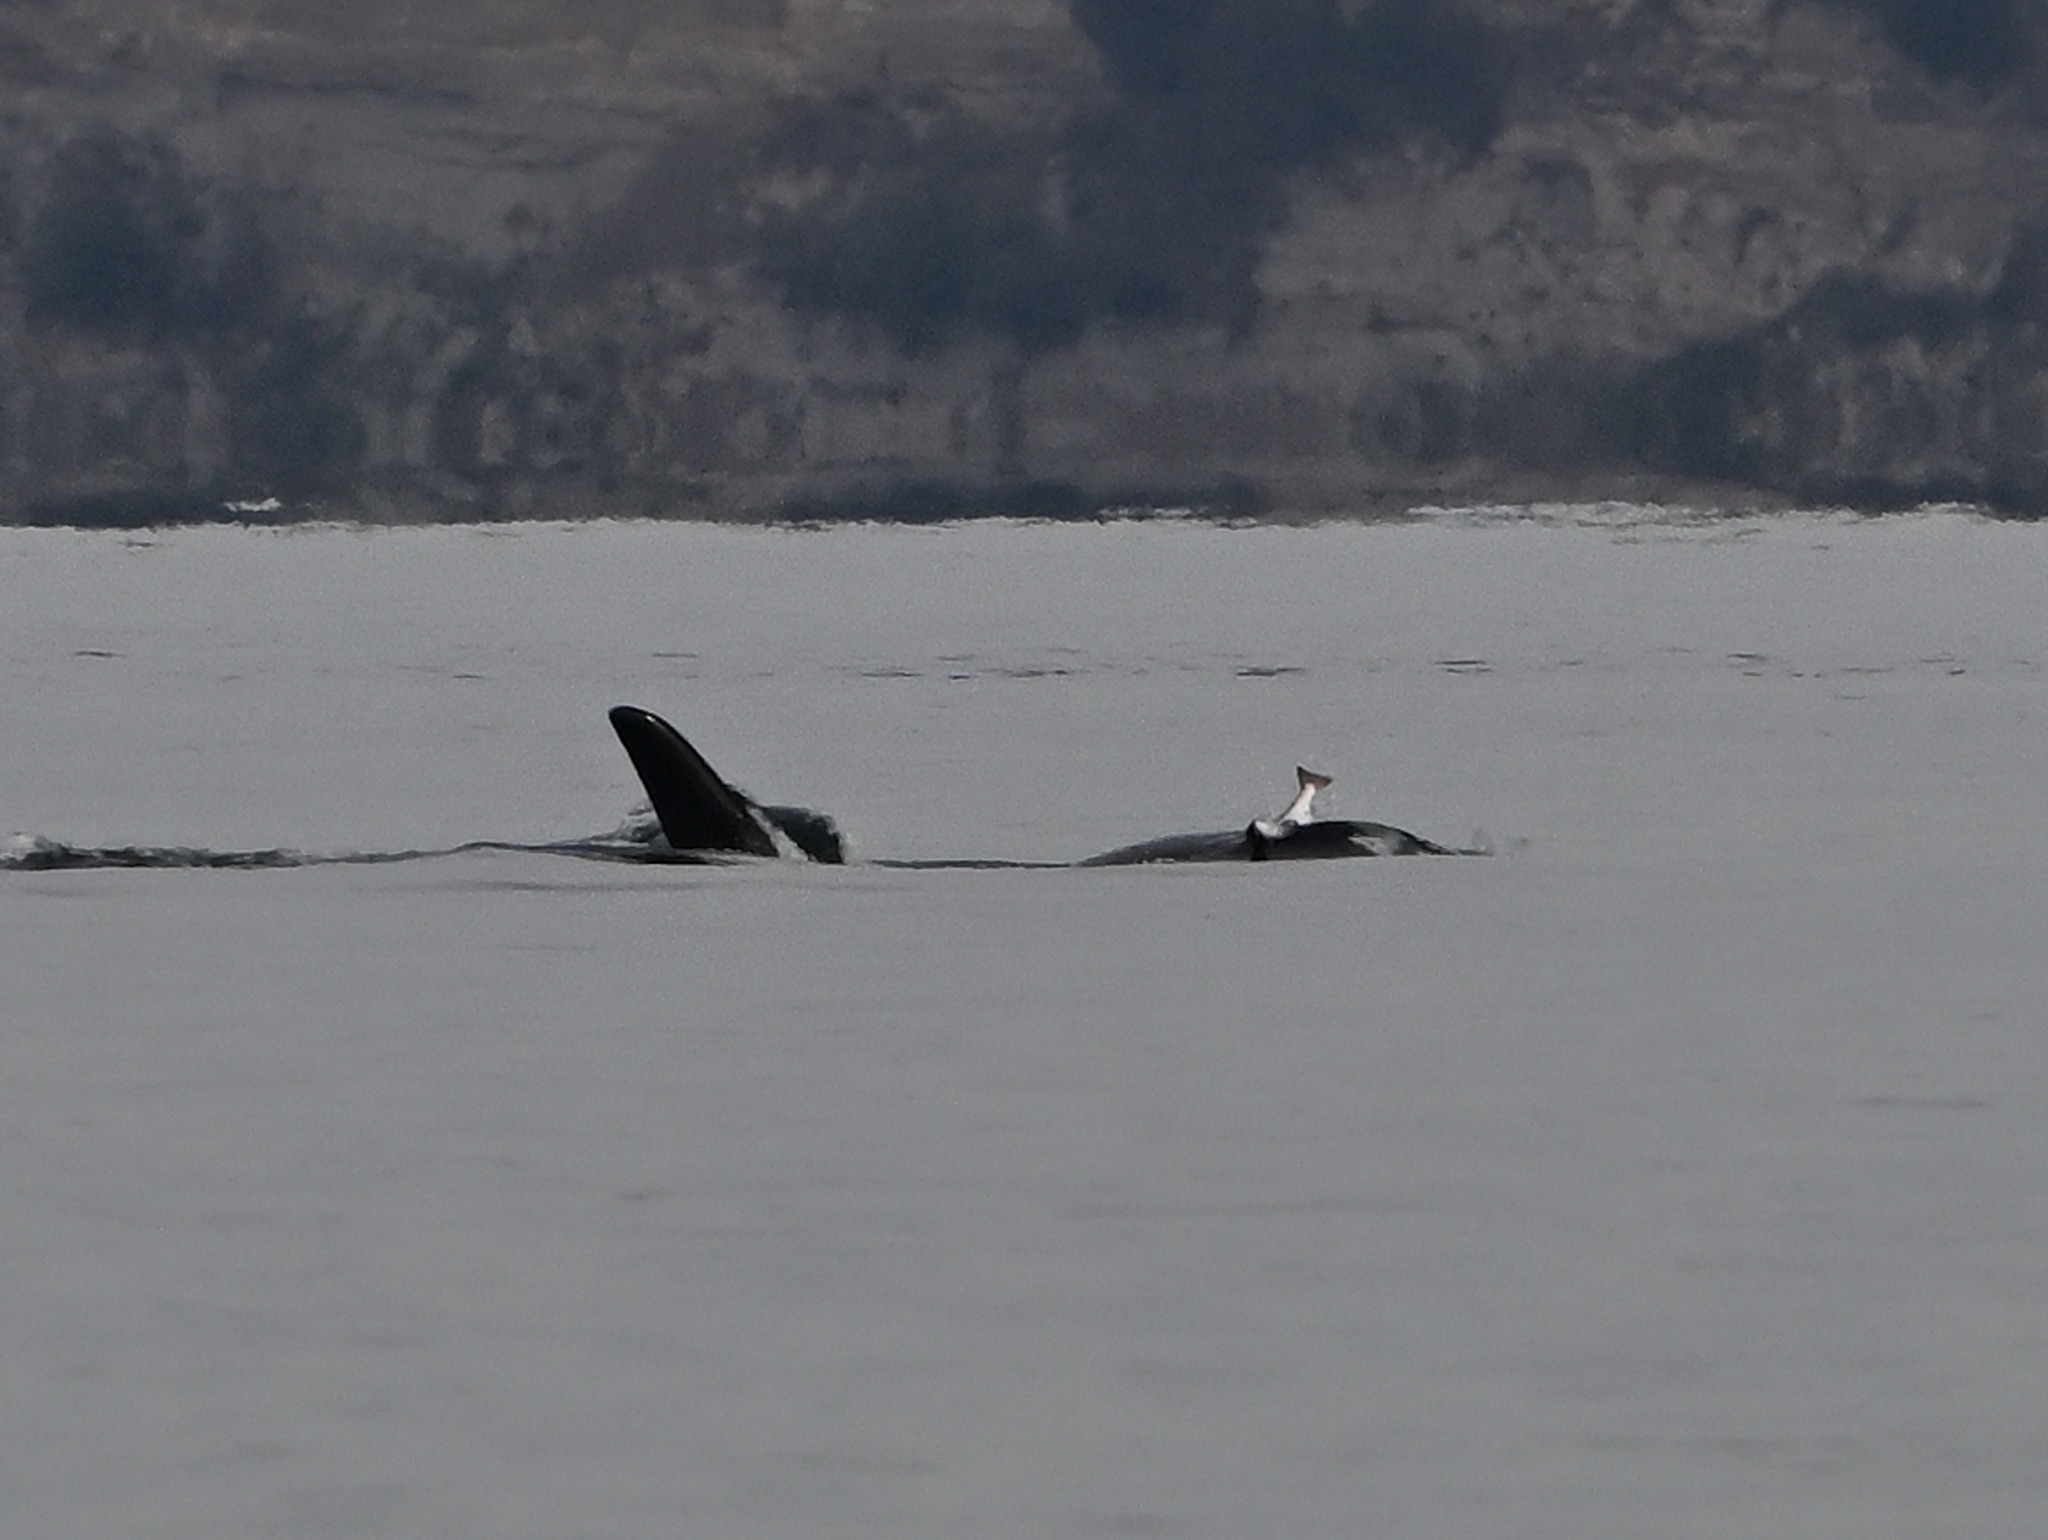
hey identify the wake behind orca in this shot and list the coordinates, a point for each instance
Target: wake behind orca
(700, 811)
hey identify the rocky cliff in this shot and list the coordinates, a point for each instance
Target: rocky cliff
(743, 258)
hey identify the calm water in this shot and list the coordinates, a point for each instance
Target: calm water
(1678, 1172)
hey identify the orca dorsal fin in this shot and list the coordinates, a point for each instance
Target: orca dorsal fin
(1303, 808)
(697, 809)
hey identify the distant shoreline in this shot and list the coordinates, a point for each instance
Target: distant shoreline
(912, 504)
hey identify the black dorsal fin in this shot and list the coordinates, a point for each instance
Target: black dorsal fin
(697, 809)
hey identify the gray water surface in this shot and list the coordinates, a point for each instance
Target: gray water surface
(1680, 1171)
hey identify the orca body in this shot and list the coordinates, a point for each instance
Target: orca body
(1296, 835)
(1326, 840)
(704, 816)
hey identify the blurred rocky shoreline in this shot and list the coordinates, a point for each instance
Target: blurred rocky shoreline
(821, 259)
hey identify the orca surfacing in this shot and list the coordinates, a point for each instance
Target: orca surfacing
(1296, 835)
(701, 812)
(704, 819)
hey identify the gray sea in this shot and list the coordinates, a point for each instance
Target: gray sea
(1680, 1171)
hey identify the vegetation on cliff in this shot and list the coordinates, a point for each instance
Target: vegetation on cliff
(1991, 44)
(1152, 207)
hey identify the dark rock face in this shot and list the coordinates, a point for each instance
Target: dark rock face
(1865, 395)
(811, 258)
